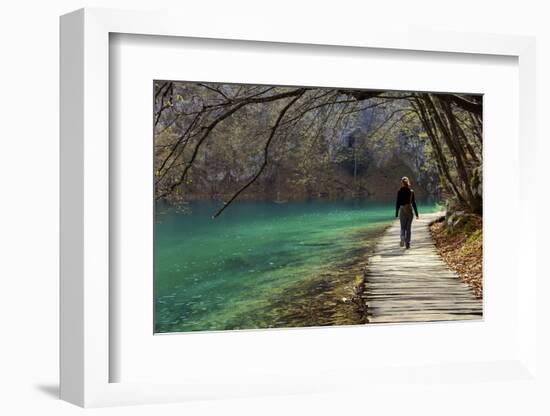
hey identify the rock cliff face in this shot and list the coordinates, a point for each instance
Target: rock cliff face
(379, 167)
(372, 182)
(365, 172)
(378, 171)
(383, 182)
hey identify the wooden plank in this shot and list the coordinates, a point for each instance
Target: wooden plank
(415, 285)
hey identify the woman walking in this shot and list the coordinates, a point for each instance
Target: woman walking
(404, 208)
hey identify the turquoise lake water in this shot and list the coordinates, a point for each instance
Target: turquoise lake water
(260, 264)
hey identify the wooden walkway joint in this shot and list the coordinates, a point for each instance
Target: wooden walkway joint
(415, 285)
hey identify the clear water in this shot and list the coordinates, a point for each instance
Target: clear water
(262, 264)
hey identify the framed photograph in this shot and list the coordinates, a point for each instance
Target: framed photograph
(281, 213)
(274, 206)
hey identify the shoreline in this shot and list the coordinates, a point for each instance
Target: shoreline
(327, 291)
(331, 297)
(286, 199)
(326, 297)
(310, 260)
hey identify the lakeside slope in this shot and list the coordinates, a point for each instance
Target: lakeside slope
(462, 249)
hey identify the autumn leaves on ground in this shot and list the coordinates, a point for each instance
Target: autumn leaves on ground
(459, 240)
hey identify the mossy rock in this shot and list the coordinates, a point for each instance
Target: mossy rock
(460, 221)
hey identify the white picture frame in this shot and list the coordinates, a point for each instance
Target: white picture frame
(85, 352)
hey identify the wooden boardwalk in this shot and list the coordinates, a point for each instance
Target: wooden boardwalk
(415, 285)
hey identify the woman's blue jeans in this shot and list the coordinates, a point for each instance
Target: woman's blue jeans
(406, 219)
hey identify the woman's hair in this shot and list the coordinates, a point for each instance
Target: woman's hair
(405, 181)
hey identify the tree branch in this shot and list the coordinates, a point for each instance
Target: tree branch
(465, 104)
(266, 155)
(208, 129)
(227, 99)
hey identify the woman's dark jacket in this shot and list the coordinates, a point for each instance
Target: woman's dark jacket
(405, 196)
